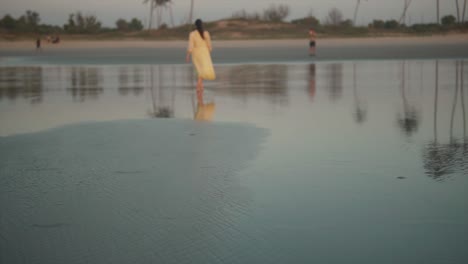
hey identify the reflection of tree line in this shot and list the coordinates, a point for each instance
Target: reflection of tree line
(131, 80)
(264, 80)
(21, 81)
(443, 159)
(86, 82)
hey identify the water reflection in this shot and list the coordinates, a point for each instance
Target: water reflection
(269, 81)
(86, 83)
(409, 120)
(360, 106)
(21, 81)
(334, 83)
(131, 80)
(443, 159)
(312, 88)
(167, 91)
(163, 92)
(202, 111)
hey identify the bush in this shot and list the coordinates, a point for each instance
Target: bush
(379, 24)
(347, 23)
(8, 22)
(135, 25)
(276, 13)
(309, 21)
(335, 17)
(391, 24)
(242, 14)
(122, 25)
(448, 20)
(79, 23)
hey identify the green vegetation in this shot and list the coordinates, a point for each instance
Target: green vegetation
(270, 23)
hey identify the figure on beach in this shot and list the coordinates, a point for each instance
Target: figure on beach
(312, 36)
(38, 44)
(199, 48)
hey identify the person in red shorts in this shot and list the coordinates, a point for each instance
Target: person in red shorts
(312, 36)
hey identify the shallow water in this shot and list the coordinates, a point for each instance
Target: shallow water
(333, 162)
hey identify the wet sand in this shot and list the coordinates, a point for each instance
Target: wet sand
(241, 51)
(328, 162)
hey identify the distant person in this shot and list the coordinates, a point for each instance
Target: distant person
(38, 44)
(199, 48)
(56, 40)
(312, 36)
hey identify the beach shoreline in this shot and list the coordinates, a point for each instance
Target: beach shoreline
(138, 43)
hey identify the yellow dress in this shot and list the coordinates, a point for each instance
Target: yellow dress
(200, 49)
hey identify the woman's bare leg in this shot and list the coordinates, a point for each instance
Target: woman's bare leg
(199, 86)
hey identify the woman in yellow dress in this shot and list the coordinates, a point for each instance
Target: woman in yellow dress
(200, 47)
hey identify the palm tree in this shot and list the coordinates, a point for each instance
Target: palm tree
(437, 6)
(356, 11)
(151, 3)
(191, 12)
(159, 5)
(405, 8)
(458, 11)
(463, 12)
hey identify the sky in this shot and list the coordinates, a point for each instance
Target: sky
(108, 11)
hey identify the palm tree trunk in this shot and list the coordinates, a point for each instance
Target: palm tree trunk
(150, 24)
(463, 12)
(191, 12)
(436, 95)
(405, 8)
(438, 13)
(172, 16)
(356, 11)
(458, 11)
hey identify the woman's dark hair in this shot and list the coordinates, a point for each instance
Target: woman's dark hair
(199, 25)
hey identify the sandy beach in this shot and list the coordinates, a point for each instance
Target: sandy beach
(138, 43)
(239, 51)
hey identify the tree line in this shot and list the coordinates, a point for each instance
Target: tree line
(77, 23)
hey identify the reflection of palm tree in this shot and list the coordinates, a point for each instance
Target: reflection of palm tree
(409, 121)
(462, 78)
(360, 112)
(441, 160)
(438, 160)
(455, 100)
(160, 107)
(335, 80)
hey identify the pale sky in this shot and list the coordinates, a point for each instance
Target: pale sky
(108, 11)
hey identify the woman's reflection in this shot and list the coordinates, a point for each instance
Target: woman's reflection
(203, 111)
